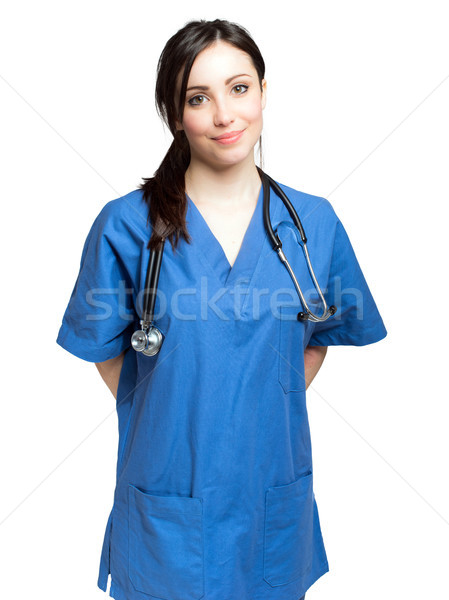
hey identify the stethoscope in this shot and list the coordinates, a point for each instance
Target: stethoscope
(149, 338)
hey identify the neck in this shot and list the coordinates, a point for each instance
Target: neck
(233, 184)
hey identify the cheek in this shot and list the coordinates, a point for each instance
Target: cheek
(195, 123)
(253, 110)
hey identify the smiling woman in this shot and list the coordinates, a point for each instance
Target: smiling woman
(222, 127)
(214, 497)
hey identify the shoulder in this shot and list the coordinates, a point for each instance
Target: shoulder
(128, 212)
(309, 206)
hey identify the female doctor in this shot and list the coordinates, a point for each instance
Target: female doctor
(214, 497)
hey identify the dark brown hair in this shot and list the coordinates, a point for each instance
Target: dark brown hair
(165, 191)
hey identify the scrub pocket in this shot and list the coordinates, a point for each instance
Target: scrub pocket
(291, 349)
(288, 542)
(166, 545)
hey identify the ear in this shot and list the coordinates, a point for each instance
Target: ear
(179, 126)
(264, 93)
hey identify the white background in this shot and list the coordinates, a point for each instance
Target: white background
(357, 112)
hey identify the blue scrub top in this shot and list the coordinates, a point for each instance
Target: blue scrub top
(214, 496)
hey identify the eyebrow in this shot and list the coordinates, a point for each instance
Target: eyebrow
(204, 88)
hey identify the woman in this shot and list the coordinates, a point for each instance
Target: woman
(214, 495)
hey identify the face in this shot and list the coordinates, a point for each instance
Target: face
(223, 96)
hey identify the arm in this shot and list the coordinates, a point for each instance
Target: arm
(110, 372)
(313, 359)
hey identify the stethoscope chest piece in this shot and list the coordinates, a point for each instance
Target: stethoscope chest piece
(148, 342)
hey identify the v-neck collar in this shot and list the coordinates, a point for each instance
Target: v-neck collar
(211, 249)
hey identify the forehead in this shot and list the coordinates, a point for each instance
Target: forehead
(215, 64)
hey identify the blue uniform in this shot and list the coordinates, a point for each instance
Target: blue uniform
(214, 496)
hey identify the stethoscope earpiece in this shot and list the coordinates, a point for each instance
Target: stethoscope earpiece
(302, 316)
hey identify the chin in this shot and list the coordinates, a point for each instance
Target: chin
(232, 159)
(236, 154)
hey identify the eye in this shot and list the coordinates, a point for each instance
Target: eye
(200, 99)
(241, 86)
(192, 103)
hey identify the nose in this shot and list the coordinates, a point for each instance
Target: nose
(223, 113)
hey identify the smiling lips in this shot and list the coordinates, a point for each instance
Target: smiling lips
(229, 138)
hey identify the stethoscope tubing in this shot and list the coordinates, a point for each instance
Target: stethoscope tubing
(149, 339)
(267, 181)
(151, 283)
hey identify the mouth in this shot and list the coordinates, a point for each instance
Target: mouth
(229, 138)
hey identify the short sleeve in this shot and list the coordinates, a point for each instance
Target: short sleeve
(99, 319)
(357, 320)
